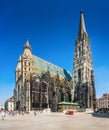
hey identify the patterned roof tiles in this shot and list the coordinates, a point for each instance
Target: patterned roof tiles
(42, 65)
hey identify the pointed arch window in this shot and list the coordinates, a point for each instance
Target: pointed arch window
(79, 51)
(83, 52)
(29, 63)
(79, 75)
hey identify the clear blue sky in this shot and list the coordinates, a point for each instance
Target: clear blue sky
(51, 27)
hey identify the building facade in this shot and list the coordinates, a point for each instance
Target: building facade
(83, 73)
(103, 102)
(1, 107)
(9, 104)
(39, 83)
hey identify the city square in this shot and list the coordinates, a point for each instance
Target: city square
(55, 121)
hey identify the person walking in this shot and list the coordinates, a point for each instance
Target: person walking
(35, 113)
(2, 114)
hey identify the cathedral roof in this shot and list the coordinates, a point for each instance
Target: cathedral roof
(43, 66)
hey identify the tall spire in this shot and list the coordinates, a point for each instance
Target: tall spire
(83, 77)
(82, 28)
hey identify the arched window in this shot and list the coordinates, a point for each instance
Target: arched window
(62, 97)
(79, 75)
(29, 64)
(79, 51)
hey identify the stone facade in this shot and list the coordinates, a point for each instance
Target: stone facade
(103, 102)
(9, 104)
(40, 84)
(83, 75)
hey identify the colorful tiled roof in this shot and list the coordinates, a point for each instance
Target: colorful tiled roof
(43, 65)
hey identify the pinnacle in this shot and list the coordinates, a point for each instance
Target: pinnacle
(27, 45)
(82, 28)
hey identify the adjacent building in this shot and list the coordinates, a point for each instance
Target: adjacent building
(103, 102)
(9, 104)
(83, 72)
(1, 107)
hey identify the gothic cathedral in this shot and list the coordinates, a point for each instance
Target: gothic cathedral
(41, 84)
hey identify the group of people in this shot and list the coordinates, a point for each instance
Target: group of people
(37, 111)
(10, 113)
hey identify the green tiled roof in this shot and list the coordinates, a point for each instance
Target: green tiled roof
(43, 65)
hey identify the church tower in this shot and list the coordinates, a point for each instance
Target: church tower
(26, 70)
(83, 76)
(27, 61)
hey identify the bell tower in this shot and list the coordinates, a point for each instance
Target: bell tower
(27, 61)
(83, 76)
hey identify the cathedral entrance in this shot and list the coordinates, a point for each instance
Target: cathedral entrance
(39, 94)
(18, 105)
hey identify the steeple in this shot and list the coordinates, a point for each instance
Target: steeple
(27, 45)
(27, 50)
(83, 76)
(82, 28)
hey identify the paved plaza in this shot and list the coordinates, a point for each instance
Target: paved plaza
(55, 121)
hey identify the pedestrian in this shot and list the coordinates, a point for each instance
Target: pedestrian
(35, 113)
(2, 114)
(23, 113)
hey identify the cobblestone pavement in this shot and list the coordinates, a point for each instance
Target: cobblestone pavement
(54, 121)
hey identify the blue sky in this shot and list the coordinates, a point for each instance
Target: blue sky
(51, 26)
